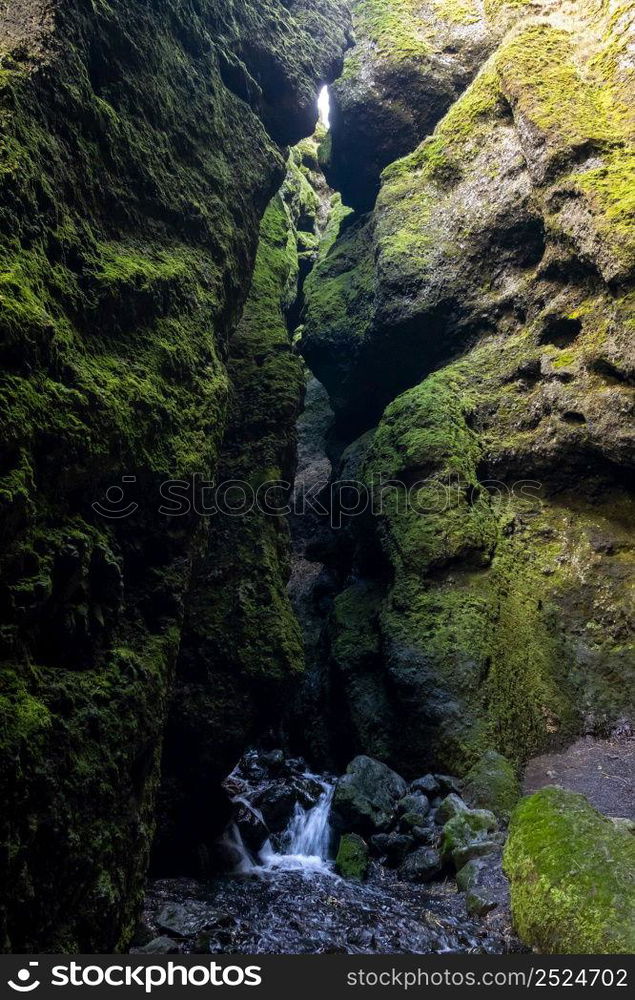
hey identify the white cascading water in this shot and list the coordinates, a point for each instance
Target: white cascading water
(306, 840)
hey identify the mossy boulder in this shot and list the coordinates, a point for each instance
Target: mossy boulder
(414, 804)
(571, 874)
(352, 859)
(468, 835)
(466, 875)
(492, 783)
(451, 806)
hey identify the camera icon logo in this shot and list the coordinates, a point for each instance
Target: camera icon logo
(23, 985)
(115, 507)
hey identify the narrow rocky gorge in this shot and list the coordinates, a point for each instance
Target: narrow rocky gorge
(409, 336)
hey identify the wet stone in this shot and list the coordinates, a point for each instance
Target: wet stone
(414, 804)
(426, 835)
(318, 913)
(158, 946)
(183, 921)
(427, 785)
(477, 849)
(449, 784)
(422, 865)
(392, 846)
(451, 806)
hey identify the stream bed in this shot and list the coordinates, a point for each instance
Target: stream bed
(282, 894)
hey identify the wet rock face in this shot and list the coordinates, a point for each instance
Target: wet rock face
(490, 296)
(130, 222)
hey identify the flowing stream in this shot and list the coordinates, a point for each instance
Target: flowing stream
(281, 893)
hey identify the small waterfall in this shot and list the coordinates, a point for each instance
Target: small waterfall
(234, 841)
(309, 831)
(306, 840)
(303, 845)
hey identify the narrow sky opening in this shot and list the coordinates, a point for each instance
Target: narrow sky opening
(324, 107)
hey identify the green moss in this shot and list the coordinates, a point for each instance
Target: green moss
(493, 8)
(131, 193)
(571, 874)
(492, 783)
(539, 75)
(611, 193)
(458, 11)
(423, 439)
(242, 646)
(469, 600)
(464, 828)
(250, 552)
(534, 72)
(340, 290)
(393, 27)
(353, 614)
(22, 716)
(355, 649)
(490, 619)
(414, 188)
(340, 295)
(352, 859)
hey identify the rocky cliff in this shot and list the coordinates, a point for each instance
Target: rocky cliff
(242, 648)
(475, 328)
(141, 144)
(466, 300)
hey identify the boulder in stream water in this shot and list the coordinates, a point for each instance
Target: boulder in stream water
(276, 802)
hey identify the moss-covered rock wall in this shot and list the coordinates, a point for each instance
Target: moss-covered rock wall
(140, 144)
(491, 293)
(242, 650)
(411, 61)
